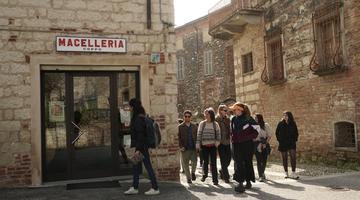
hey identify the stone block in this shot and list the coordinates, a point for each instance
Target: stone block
(136, 47)
(75, 4)
(34, 46)
(99, 5)
(122, 17)
(11, 56)
(57, 3)
(8, 114)
(43, 23)
(11, 102)
(61, 14)
(22, 114)
(89, 15)
(34, 3)
(10, 126)
(22, 90)
(4, 136)
(37, 12)
(6, 158)
(12, 12)
(6, 80)
(20, 147)
(3, 22)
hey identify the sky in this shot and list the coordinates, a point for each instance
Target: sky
(189, 10)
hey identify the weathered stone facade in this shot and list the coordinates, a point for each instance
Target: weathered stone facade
(28, 28)
(317, 101)
(198, 90)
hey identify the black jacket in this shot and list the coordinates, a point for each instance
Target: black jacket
(138, 133)
(286, 133)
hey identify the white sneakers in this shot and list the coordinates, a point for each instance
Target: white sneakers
(294, 175)
(152, 192)
(132, 191)
(286, 175)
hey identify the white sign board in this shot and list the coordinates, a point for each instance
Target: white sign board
(89, 44)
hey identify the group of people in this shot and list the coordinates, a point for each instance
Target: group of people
(233, 133)
(236, 136)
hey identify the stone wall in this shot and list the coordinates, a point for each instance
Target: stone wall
(198, 91)
(29, 27)
(317, 102)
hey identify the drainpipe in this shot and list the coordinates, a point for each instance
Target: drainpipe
(148, 13)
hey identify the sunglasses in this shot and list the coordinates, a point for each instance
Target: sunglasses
(187, 116)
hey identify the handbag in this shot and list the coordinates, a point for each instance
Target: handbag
(136, 159)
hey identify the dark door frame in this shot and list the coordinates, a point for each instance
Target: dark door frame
(69, 117)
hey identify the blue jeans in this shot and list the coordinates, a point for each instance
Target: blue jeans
(137, 170)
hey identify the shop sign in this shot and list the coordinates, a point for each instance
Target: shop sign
(90, 44)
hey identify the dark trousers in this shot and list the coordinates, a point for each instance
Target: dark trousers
(261, 159)
(149, 169)
(243, 154)
(210, 152)
(225, 159)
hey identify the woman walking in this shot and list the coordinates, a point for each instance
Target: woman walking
(287, 136)
(138, 140)
(224, 147)
(261, 146)
(208, 138)
(244, 131)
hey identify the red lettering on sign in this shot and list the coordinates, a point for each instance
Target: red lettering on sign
(77, 42)
(121, 45)
(69, 44)
(103, 43)
(96, 43)
(90, 44)
(110, 43)
(61, 41)
(83, 42)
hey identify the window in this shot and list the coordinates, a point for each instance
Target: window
(345, 136)
(274, 58)
(208, 68)
(180, 68)
(327, 39)
(247, 63)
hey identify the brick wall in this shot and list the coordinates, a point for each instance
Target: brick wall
(198, 91)
(317, 102)
(29, 28)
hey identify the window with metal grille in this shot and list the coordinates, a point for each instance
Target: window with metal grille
(345, 136)
(327, 38)
(274, 58)
(180, 68)
(247, 62)
(208, 66)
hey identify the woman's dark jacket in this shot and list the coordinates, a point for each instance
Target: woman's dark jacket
(243, 128)
(138, 133)
(286, 134)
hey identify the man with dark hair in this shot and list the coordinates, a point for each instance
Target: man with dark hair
(187, 143)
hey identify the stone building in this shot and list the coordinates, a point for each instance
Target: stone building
(204, 68)
(67, 71)
(301, 56)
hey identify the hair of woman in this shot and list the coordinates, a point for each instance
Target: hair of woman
(260, 120)
(221, 107)
(211, 113)
(291, 118)
(137, 108)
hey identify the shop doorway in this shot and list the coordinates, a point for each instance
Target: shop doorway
(85, 122)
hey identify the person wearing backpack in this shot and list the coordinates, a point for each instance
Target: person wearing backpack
(187, 142)
(139, 141)
(208, 139)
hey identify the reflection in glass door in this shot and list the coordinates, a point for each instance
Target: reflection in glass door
(91, 127)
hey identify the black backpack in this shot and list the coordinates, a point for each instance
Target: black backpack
(153, 134)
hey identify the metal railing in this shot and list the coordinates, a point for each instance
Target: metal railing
(226, 8)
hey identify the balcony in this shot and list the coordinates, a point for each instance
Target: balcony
(229, 17)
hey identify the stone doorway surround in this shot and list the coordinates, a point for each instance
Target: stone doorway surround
(76, 62)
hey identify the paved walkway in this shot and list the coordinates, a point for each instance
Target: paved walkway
(330, 187)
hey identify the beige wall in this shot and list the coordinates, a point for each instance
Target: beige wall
(27, 37)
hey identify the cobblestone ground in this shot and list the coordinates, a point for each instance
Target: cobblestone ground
(275, 171)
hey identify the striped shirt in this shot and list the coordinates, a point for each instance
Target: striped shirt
(206, 134)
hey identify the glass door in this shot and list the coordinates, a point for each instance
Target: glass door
(89, 125)
(85, 123)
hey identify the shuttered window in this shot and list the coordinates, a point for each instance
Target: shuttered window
(247, 63)
(180, 68)
(274, 59)
(208, 64)
(327, 38)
